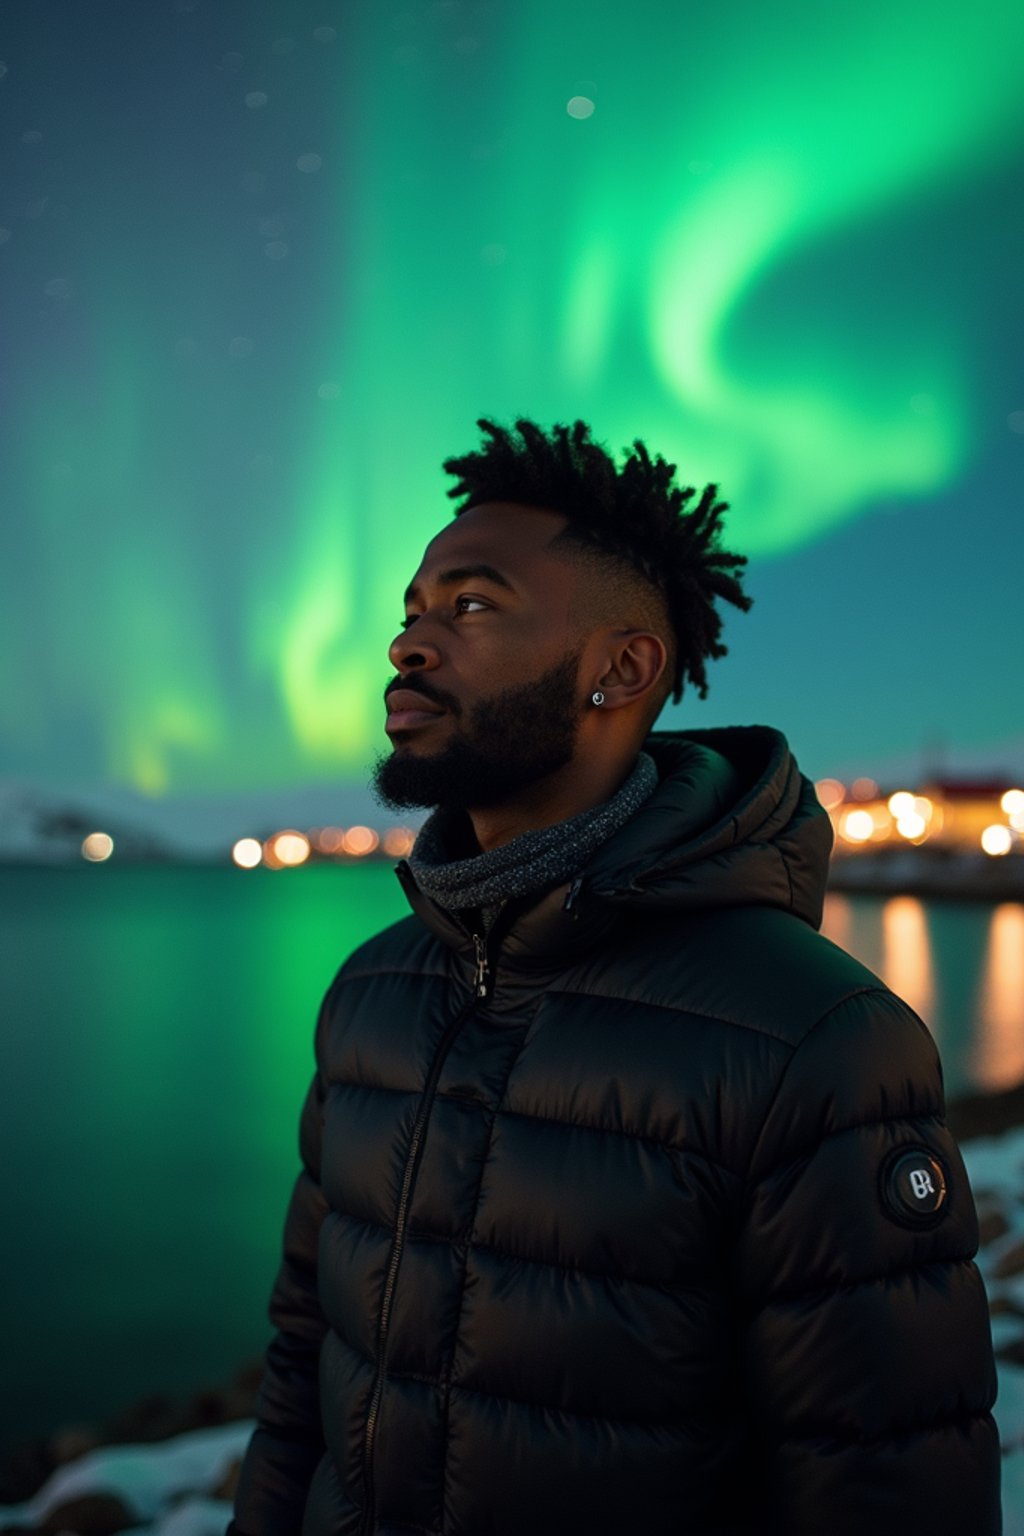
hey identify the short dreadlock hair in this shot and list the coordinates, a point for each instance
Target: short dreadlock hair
(633, 516)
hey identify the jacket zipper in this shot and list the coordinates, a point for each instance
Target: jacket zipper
(481, 978)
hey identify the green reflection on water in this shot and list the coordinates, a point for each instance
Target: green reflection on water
(159, 1048)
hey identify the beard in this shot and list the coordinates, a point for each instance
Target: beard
(509, 742)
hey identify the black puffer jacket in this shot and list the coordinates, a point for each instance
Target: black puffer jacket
(643, 1231)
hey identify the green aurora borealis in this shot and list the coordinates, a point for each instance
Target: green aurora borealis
(239, 336)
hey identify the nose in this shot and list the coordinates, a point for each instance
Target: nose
(413, 651)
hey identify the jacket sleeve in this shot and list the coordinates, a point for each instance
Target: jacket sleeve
(866, 1348)
(287, 1442)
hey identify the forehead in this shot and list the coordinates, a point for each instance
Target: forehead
(512, 538)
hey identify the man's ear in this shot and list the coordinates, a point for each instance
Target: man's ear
(634, 663)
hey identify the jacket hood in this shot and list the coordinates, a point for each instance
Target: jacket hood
(733, 822)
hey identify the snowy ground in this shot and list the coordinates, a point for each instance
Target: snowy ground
(166, 1488)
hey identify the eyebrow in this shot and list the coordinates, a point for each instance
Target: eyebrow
(464, 573)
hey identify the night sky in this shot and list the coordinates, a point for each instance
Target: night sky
(263, 265)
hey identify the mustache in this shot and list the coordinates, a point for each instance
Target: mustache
(413, 684)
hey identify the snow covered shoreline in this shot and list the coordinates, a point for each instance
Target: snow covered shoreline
(183, 1485)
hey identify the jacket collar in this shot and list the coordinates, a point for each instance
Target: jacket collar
(732, 822)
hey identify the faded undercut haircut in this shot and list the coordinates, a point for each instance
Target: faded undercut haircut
(633, 521)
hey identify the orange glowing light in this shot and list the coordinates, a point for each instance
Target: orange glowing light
(901, 803)
(359, 841)
(287, 849)
(907, 964)
(330, 839)
(247, 852)
(999, 1056)
(1013, 803)
(97, 847)
(857, 826)
(864, 789)
(398, 842)
(830, 793)
(997, 840)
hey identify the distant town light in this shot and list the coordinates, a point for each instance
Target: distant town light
(857, 826)
(97, 847)
(398, 841)
(923, 807)
(290, 848)
(247, 852)
(901, 803)
(911, 825)
(330, 839)
(1017, 820)
(864, 789)
(360, 840)
(1012, 802)
(830, 793)
(996, 840)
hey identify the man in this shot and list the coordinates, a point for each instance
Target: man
(627, 1205)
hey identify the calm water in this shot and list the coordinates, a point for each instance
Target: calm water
(156, 1047)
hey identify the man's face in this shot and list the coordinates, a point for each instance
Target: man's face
(487, 701)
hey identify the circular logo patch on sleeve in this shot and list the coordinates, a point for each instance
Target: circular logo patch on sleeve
(914, 1186)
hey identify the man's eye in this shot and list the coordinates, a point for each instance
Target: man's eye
(459, 601)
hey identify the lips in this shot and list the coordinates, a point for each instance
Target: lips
(408, 709)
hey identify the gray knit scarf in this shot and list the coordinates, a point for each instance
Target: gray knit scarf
(533, 861)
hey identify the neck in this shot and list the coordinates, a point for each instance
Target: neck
(566, 793)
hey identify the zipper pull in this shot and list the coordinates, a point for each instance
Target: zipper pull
(483, 970)
(570, 900)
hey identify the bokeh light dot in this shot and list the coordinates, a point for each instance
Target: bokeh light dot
(579, 107)
(283, 45)
(324, 34)
(290, 848)
(864, 789)
(359, 841)
(277, 250)
(398, 841)
(232, 62)
(256, 99)
(1015, 422)
(97, 846)
(5, 235)
(240, 346)
(830, 792)
(858, 826)
(1012, 802)
(329, 390)
(31, 136)
(996, 840)
(247, 852)
(309, 163)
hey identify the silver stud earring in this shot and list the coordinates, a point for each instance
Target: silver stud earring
(597, 697)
